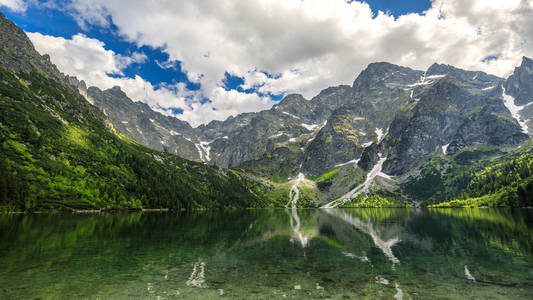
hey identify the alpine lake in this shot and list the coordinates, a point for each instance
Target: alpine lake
(269, 254)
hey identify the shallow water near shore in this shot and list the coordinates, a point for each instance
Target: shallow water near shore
(269, 254)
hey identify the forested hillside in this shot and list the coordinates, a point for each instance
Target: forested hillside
(57, 152)
(508, 182)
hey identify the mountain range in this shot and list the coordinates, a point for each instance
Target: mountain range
(395, 137)
(401, 116)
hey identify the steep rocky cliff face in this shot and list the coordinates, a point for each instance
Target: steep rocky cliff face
(374, 99)
(139, 122)
(519, 84)
(518, 94)
(18, 54)
(290, 124)
(457, 110)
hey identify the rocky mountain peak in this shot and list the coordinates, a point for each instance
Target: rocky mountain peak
(478, 79)
(445, 70)
(18, 54)
(117, 91)
(527, 62)
(75, 82)
(520, 84)
(290, 100)
(438, 69)
(383, 72)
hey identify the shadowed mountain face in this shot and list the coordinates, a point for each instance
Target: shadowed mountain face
(519, 86)
(139, 122)
(457, 110)
(374, 99)
(520, 83)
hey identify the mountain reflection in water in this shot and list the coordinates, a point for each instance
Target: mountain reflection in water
(310, 253)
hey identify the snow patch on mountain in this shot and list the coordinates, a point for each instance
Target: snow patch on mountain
(445, 149)
(354, 161)
(508, 101)
(362, 188)
(291, 115)
(426, 80)
(380, 134)
(207, 149)
(311, 127)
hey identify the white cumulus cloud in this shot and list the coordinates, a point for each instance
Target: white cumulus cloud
(82, 56)
(87, 59)
(306, 44)
(14, 5)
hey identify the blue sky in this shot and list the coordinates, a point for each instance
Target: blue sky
(399, 7)
(59, 23)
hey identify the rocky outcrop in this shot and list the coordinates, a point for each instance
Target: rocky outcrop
(519, 94)
(139, 122)
(451, 114)
(374, 99)
(520, 83)
(18, 54)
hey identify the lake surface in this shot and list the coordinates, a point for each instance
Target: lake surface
(270, 254)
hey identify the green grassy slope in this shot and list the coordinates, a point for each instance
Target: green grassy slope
(56, 152)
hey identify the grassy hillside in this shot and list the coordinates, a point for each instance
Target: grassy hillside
(58, 152)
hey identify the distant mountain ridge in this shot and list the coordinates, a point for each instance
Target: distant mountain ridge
(342, 120)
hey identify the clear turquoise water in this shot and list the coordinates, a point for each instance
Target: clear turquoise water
(269, 254)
